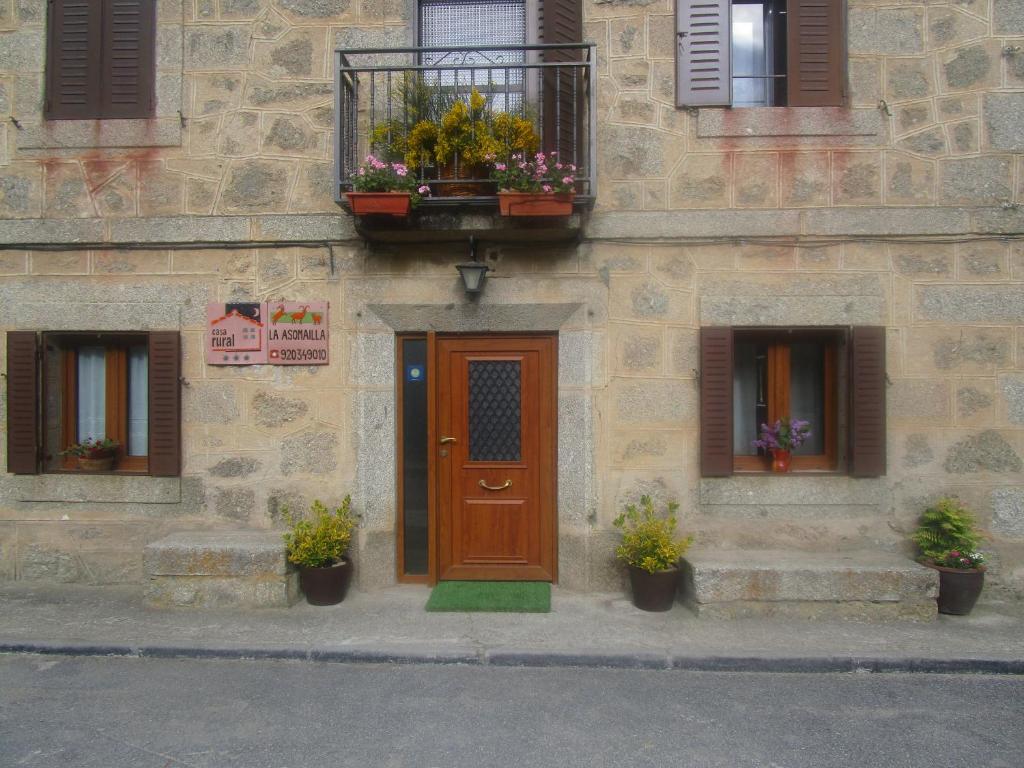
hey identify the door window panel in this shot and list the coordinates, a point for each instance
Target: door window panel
(494, 410)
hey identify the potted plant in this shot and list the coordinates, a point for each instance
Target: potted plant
(781, 439)
(539, 187)
(384, 188)
(651, 551)
(947, 542)
(465, 144)
(94, 454)
(318, 545)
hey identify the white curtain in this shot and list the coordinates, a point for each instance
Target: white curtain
(806, 392)
(744, 399)
(92, 393)
(138, 401)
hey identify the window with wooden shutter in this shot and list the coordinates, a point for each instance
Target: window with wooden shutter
(833, 378)
(816, 53)
(703, 68)
(867, 401)
(716, 458)
(165, 403)
(749, 53)
(101, 59)
(561, 22)
(22, 403)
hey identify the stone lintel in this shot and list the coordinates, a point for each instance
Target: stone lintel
(453, 318)
(692, 224)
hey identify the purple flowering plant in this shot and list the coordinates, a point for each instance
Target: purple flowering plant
(541, 173)
(785, 435)
(376, 175)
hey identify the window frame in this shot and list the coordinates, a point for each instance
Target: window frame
(778, 385)
(116, 346)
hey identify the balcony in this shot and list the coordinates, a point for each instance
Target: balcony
(542, 96)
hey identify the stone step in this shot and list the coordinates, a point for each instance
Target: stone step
(854, 584)
(219, 569)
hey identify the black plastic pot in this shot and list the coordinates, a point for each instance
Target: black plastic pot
(959, 589)
(326, 586)
(653, 591)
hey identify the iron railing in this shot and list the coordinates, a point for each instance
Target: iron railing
(381, 94)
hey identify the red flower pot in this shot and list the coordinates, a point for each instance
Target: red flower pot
(780, 460)
(380, 203)
(535, 203)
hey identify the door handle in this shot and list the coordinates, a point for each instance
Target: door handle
(502, 487)
(447, 440)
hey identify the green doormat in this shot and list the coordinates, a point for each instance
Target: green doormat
(492, 596)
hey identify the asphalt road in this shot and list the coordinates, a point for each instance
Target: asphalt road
(114, 712)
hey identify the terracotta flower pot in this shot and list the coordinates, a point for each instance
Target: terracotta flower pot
(780, 460)
(326, 586)
(535, 203)
(96, 463)
(653, 591)
(959, 588)
(380, 203)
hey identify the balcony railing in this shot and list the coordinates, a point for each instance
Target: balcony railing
(382, 94)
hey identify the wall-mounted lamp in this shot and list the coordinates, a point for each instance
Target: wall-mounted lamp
(473, 273)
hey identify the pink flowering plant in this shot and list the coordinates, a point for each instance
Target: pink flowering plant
(542, 173)
(379, 176)
(784, 435)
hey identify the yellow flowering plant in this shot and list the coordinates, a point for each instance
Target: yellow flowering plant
(649, 541)
(465, 134)
(323, 538)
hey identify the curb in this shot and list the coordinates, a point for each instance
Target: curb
(536, 658)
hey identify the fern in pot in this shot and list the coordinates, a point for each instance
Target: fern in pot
(651, 550)
(947, 541)
(318, 545)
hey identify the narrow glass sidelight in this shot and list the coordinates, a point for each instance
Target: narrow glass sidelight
(495, 407)
(414, 457)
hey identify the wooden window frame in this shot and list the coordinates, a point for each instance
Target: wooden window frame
(116, 380)
(778, 386)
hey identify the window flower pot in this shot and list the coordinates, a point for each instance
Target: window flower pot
(96, 463)
(959, 588)
(326, 586)
(656, 591)
(535, 203)
(781, 460)
(380, 203)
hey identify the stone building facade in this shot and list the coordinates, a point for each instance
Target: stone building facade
(901, 210)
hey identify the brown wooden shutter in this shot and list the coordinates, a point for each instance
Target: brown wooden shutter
(716, 450)
(561, 21)
(867, 401)
(816, 53)
(703, 53)
(129, 58)
(22, 402)
(73, 74)
(165, 403)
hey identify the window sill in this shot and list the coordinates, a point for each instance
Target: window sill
(792, 490)
(84, 134)
(114, 487)
(768, 122)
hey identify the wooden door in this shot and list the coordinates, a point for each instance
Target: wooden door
(496, 457)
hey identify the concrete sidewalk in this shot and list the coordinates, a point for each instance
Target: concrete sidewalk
(582, 630)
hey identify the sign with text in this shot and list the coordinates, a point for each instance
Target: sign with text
(236, 334)
(297, 333)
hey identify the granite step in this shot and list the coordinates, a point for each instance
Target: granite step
(868, 585)
(198, 569)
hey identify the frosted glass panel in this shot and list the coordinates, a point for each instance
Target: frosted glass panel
(138, 401)
(92, 393)
(807, 392)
